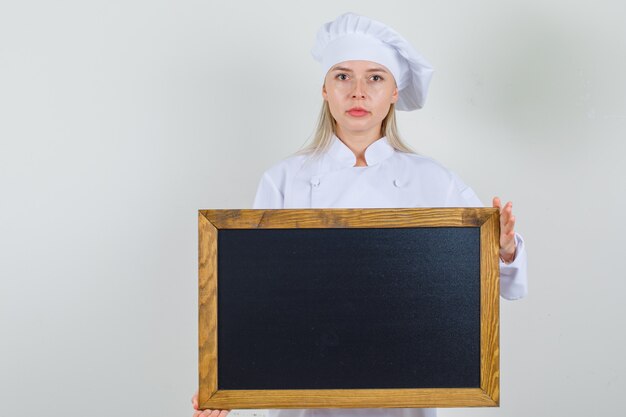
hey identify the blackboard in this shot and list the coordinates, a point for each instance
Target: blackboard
(386, 302)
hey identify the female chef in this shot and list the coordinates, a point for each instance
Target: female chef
(357, 159)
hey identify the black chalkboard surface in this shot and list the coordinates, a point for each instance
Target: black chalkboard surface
(386, 302)
(398, 308)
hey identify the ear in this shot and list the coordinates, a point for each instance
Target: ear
(394, 96)
(324, 93)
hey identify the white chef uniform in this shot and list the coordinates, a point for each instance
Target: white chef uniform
(391, 179)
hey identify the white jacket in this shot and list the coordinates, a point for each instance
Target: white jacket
(391, 179)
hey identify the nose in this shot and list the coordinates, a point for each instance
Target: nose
(359, 89)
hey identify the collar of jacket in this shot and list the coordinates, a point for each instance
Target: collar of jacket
(374, 154)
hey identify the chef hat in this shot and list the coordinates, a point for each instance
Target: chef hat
(353, 37)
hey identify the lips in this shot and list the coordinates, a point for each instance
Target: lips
(357, 112)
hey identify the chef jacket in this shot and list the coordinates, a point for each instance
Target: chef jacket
(391, 179)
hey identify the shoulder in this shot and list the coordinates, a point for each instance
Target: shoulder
(274, 183)
(287, 165)
(280, 173)
(424, 165)
(436, 179)
(285, 168)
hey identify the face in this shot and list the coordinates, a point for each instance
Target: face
(359, 94)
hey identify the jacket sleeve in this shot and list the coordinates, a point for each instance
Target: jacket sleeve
(513, 276)
(268, 196)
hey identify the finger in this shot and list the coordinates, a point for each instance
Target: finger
(507, 240)
(507, 243)
(511, 222)
(223, 413)
(215, 413)
(207, 412)
(194, 400)
(506, 213)
(509, 226)
(496, 203)
(197, 413)
(504, 216)
(507, 233)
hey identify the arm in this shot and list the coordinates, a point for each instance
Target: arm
(268, 196)
(513, 262)
(513, 272)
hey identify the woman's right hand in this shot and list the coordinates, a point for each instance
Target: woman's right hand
(207, 412)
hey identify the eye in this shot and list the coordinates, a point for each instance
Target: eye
(342, 77)
(377, 77)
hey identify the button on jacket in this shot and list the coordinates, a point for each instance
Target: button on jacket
(391, 179)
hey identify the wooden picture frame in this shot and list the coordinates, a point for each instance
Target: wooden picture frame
(485, 220)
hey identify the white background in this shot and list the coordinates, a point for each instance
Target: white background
(120, 119)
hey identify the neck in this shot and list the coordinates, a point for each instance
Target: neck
(357, 142)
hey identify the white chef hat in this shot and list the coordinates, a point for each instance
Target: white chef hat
(353, 37)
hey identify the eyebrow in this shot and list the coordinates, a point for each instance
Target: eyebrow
(349, 70)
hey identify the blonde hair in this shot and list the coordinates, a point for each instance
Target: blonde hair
(327, 126)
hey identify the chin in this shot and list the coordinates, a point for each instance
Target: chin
(358, 124)
(358, 128)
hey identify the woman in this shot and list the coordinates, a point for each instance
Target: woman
(357, 159)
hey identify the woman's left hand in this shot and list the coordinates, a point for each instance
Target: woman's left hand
(207, 412)
(507, 230)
